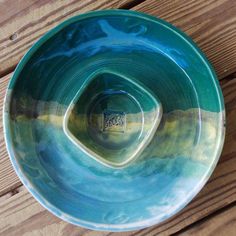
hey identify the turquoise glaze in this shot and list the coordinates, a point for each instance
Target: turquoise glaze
(114, 120)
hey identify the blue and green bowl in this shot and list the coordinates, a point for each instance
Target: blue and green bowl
(114, 120)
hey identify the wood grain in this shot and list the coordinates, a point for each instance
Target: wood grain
(24, 22)
(223, 223)
(22, 215)
(210, 23)
(8, 178)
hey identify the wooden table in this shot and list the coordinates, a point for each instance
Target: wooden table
(211, 24)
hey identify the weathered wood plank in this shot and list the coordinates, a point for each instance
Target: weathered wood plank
(210, 23)
(8, 178)
(23, 22)
(22, 215)
(223, 223)
(217, 193)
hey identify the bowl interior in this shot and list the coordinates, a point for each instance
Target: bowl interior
(112, 118)
(89, 96)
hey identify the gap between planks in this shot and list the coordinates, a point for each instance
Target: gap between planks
(222, 222)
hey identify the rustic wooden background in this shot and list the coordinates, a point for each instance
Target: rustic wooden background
(212, 25)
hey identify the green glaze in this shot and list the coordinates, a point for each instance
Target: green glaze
(114, 120)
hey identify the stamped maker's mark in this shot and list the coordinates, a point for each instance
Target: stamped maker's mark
(114, 121)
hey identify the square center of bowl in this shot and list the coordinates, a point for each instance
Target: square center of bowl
(112, 118)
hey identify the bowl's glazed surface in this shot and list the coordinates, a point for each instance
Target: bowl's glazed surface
(114, 120)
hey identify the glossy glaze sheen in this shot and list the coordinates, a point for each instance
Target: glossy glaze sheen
(180, 155)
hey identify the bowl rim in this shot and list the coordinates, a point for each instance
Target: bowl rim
(6, 127)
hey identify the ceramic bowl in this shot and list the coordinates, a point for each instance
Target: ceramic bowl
(114, 120)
